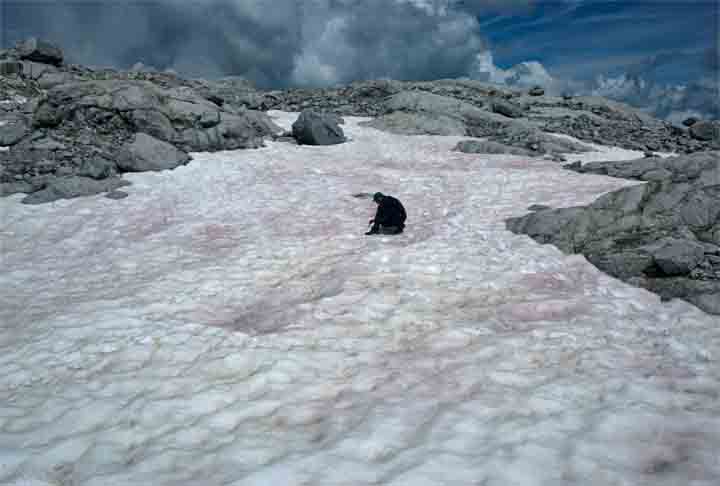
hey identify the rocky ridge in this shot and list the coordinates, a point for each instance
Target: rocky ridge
(68, 131)
(663, 235)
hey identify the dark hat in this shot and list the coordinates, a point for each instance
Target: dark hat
(377, 197)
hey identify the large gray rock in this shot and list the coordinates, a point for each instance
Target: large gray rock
(536, 91)
(97, 168)
(186, 109)
(36, 70)
(39, 50)
(676, 257)
(12, 129)
(10, 68)
(421, 113)
(148, 153)
(9, 188)
(530, 138)
(662, 235)
(488, 147)
(434, 105)
(506, 108)
(313, 128)
(403, 123)
(705, 130)
(71, 187)
(49, 79)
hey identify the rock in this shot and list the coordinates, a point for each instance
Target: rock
(576, 166)
(10, 68)
(676, 256)
(403, 123)
(46, 116)
(152, 122)
(38, 50)
(36, 70)
(116, 195)
(688, 122)
(536, 91)
(658, 233)
(705, 130)
(9, 188)
(488, 147)
(13, 128)
(538, 207)
(70, 187)
(48, 144)
(97, 168)
(185, 109)
(708, 302)
(419, 112)
(316, 129)
(50, 79)
(175, 115)
(507, 109)
(148, 153)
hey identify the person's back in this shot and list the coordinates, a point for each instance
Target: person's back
(390, 217)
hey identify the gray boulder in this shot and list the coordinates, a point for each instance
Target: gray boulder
(536, 91)
(36, 70)
(10, 68)
(506, 108)
(116, 195)
(488, 147)
(148, 153)
(432, 105)
(49, 79)
(705, 130)
(532, 139)
(403, 123)
(70, 187)
(38, 50)
(419, 112)
(9, 188)
(12, 129)
(313, 128)
(538, 207)
(97, 168)
(676, 257)
(690, 121)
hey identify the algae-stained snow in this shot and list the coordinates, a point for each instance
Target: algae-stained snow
(230, 324)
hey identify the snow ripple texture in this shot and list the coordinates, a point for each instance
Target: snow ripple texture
(229, 324)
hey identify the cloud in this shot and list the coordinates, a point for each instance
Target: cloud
(275, 43)
(639, 85)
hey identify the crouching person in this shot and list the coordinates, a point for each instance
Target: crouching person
(390, 216)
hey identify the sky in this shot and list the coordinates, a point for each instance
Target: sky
(581, 39)
(282, 43)
(195, 333)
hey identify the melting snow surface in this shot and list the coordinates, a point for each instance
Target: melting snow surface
(230, 324)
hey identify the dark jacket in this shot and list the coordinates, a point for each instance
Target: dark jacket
(390, 212)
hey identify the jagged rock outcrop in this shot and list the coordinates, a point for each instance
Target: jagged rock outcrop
(38, 50)
(67, 122)
(146, 153)
(663, 235)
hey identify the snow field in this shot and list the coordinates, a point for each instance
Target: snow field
(229, 323)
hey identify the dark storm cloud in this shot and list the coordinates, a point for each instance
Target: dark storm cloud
(272, 42)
